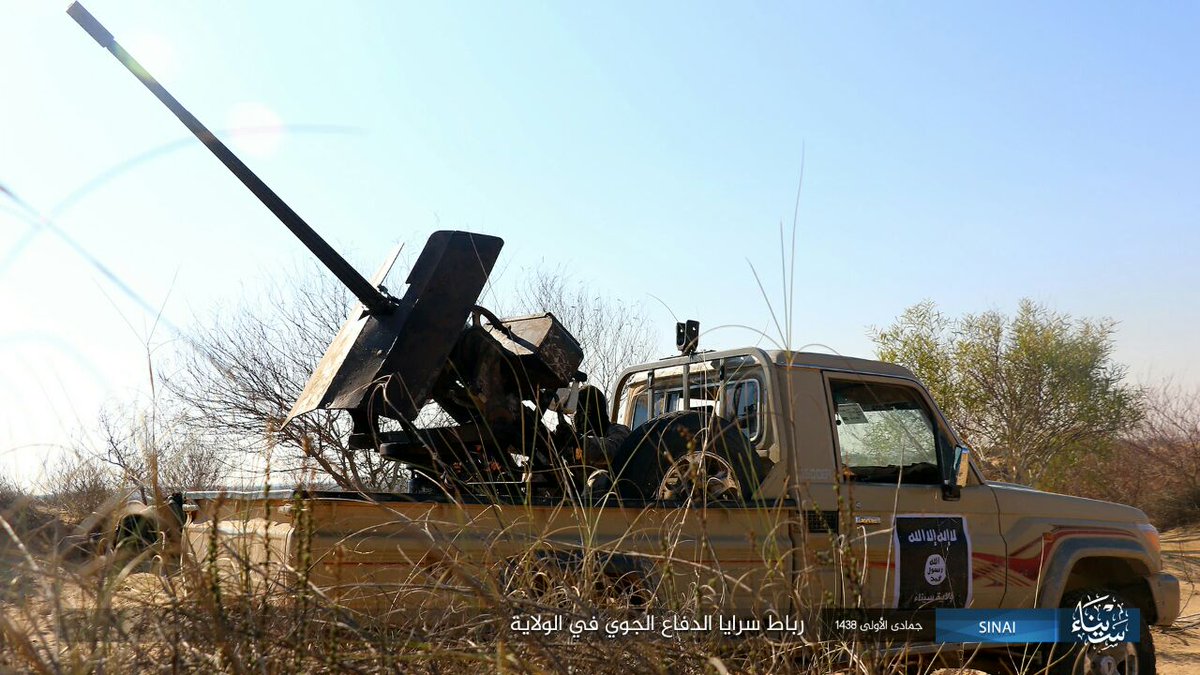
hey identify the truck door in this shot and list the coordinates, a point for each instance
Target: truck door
(913, 547)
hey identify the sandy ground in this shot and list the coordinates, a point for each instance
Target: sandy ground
(1179, 647)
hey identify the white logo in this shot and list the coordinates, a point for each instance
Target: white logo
(935, 569)
(1099, 619)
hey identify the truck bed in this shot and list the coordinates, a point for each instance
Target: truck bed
(397, 552)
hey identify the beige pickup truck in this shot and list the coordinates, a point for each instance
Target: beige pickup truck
(753, 483)
(741, 482)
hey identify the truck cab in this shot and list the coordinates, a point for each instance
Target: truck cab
(863, 452)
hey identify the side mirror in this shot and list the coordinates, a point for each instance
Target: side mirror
(956, 468)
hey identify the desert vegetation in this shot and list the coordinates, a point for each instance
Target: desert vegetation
(1038, 395)
(78, 603)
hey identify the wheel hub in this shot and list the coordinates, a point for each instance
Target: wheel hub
(700, 476)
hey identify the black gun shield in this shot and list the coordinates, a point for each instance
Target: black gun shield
(409, 346)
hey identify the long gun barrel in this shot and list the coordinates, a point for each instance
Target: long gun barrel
(370, 296)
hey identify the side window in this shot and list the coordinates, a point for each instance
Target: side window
(744, 406)
(885, 433)
(640, 414)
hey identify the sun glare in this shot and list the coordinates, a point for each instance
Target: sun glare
(154, 53)
(256, 129)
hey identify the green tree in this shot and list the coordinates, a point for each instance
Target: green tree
(1032, 392)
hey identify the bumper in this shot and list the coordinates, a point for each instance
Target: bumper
(1165, 590)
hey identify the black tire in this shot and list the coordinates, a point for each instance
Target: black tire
(652, 449)
(1077, 659)
(135, 533)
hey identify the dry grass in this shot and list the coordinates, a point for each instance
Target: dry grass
(144, 612)
(228, 607)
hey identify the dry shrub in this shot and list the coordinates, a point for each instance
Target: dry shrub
(78, 485)
(613, 334)
(1156, 468)
(243, 368)
(155, 451)
(15, 510)
(28, 526)
(10, 493)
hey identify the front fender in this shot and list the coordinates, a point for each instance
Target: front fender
(1068, 556)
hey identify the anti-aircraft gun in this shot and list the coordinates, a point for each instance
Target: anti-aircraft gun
(493, 377)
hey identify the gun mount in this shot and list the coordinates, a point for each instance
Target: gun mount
(493, 377)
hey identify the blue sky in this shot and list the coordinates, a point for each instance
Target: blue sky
(972, 154)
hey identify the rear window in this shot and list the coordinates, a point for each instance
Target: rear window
(741, 403)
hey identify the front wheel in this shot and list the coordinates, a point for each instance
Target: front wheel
(1104, 655)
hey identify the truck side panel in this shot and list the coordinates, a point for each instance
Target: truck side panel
(413, 556)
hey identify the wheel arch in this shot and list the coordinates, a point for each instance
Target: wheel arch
(1117, 564)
